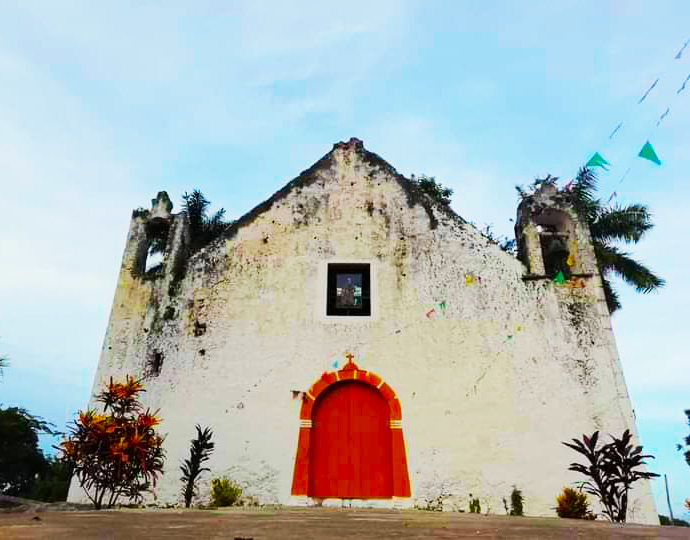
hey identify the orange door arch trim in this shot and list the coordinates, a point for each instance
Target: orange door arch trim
(400, 477)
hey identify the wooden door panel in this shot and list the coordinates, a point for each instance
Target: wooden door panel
(350, 447)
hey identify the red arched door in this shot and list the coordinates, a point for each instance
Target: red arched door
(350, 446)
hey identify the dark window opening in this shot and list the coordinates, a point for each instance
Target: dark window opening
(349, 290)
(154, 363)
(199, 328)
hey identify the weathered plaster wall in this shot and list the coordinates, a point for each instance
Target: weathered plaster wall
(489, 385)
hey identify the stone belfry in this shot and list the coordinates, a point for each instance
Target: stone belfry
(142, 294)
(555, 245)
(553, 237)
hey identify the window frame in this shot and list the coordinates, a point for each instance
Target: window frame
(335, 268)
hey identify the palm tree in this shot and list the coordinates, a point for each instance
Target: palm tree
(687, 450)
(202, 228)
(608, 225)
(3, 363)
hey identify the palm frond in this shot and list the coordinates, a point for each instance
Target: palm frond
(612, 301)
(202, 229)
(585, 184)
(218, 217)
(624, 223)
(217, 222)
(195, 206)
(584, 189)
(627, 223)
(632, 272)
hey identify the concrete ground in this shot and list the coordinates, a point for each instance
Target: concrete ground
(308, 524)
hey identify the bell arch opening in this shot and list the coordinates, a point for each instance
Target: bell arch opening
(554, 228)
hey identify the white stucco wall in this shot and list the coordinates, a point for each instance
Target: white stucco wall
(489, 386)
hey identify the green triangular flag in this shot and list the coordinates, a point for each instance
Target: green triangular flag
(597, 160)
(560, 278)
(648, 152)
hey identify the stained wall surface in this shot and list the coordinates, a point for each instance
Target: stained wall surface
(492, 371)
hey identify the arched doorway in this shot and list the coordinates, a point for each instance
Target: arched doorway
(350, 443)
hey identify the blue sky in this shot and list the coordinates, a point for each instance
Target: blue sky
(102, 106)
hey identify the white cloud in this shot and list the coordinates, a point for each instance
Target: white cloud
(217, 68)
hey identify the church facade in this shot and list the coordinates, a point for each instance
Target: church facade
(352, 342)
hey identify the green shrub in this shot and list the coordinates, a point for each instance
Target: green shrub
(434, 505)
(53, 484)
(664, 520)
(516, 502)
(573, 504)
(225, 492)
(475, 507)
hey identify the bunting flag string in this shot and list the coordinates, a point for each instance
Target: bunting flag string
(663, 116)
(615, 130)
(626, 174)
(648, 91)
(647, 151)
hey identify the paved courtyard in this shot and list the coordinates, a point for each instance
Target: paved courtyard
(308, 524)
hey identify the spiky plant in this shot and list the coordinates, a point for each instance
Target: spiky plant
(516, 502)
(612, 470)
(200, 451)
(609, 225)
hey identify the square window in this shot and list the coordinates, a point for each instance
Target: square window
(349, 290)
